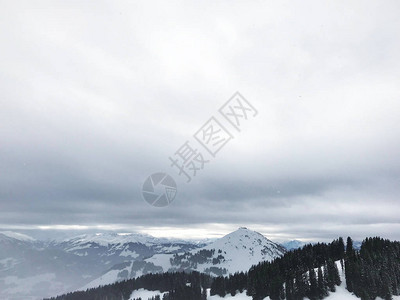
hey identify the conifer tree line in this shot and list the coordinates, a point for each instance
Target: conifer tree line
(178, 285)
(307, 272)
(374, 271)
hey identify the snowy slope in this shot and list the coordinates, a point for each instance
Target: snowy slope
(107, 277)
(243, 248)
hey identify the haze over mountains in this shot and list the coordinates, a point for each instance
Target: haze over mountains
(32, 268)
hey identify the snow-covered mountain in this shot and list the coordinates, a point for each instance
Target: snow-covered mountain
(234, 252)
(244, 248)
(294, 244)
(357, 245)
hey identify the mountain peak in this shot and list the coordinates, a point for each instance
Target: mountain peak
(246, 233)
(243, 248)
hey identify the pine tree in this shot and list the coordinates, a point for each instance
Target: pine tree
(333, 275)
(289, 289)
(204, 294)
(313, 290)
(341, 248)
(322, 290)
(276, 288)
(300, 286)
(349, 264)
(218, 287)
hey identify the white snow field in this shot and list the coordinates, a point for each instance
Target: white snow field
(145, 294)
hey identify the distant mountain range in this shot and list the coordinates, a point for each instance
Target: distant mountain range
(32, 269)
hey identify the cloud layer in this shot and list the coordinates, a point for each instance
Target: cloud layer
(97, 96)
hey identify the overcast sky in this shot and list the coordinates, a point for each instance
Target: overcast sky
(97, 95)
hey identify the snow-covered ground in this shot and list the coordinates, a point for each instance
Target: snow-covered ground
(145, 294)
(106, 278)
(340, 294)
(162, 260)
(241, 296)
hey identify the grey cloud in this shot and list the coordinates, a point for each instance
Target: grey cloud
(96, 97)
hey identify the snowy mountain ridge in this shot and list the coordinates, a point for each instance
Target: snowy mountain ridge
(234, 252)
(67, 264)
(105, 239)
(17, 236)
